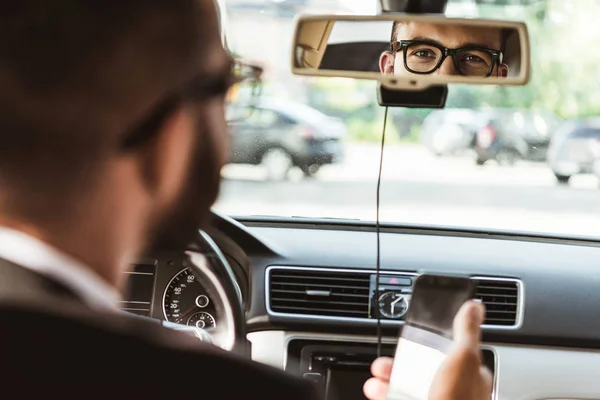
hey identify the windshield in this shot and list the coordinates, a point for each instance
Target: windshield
(490, 159)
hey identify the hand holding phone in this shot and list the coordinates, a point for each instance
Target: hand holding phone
(460, 376)
(426, 337)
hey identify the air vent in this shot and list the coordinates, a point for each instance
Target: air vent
(322, 293)
(501, 300)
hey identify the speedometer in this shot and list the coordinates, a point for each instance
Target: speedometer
(185, 301)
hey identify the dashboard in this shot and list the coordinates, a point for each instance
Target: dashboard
(311, 308)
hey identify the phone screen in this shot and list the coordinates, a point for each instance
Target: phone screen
(426, 336)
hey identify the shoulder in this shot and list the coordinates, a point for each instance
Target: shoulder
(65, 321)
(124, 351)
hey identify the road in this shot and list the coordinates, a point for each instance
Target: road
(418, 187)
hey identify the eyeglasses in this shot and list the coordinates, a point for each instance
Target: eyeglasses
(424, 57)
(198, 89)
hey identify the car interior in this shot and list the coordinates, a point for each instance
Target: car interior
(300, 294)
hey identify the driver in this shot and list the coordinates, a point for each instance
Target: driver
(112, 137)
(444, 49)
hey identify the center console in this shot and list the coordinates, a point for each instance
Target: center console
(340, 369)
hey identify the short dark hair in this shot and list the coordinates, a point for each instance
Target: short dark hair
(505, 34)
(75, 74)
(394, 32)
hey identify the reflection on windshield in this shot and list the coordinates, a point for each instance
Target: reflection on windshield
(491, 159)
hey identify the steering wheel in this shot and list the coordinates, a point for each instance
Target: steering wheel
(213, 272)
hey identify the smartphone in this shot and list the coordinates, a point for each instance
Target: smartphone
(426, 336)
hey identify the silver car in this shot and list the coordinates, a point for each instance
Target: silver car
(450, 131)
(574, 148)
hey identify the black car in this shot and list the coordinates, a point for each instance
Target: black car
(279, 135)
(511, 135)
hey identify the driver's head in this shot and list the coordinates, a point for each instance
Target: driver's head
(78, 77)
(418, 48)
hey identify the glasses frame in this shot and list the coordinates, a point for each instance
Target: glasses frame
(403, 45)
(251, 75)
(197, 90)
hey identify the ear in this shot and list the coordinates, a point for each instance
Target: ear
(502, 71)
(386, 62)
(165, 160)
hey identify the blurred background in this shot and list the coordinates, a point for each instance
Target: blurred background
(518, 158)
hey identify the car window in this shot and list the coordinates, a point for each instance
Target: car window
(518, 120)
(285, 119)
(294, 110)
(261, 117)
(586, 133)
(540, 125)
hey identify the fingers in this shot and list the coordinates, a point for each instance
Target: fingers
(382, 368)
(459, 371)
(467, 331)
(375, 389)
(461, 376)
(488, 380)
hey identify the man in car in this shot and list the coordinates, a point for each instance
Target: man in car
(112, 137)
(444, 49)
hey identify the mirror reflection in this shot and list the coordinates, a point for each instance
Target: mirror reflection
(427, 48)
(434, 47)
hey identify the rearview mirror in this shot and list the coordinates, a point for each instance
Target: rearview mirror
(405, 51)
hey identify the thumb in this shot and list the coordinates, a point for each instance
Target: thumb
(466, 328)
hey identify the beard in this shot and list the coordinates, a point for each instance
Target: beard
(178, 228)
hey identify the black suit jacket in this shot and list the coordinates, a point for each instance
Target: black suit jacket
(51, 345)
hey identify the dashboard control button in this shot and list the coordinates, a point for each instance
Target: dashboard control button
(313, 376)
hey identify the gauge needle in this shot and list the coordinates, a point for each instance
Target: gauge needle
(393, 304)
(185, 314)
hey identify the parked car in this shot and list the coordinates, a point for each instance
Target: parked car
(289, 7)
(450, 131)
(511, 135)
(575, 148)
(280, 134)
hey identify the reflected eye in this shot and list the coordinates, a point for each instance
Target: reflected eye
(473, 59)
(424, 53)
(475, 63)
(422, 58)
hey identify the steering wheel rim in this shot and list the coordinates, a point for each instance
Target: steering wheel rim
(213, 271)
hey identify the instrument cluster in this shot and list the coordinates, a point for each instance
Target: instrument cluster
(166, 289)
